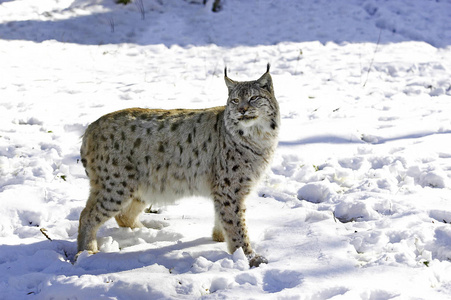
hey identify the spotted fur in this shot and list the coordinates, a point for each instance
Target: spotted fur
(135, 157)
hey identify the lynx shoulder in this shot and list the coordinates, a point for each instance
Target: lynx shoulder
(135, 157)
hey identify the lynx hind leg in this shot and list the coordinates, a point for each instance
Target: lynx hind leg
(129, 215)
(87, 229)
(101, 206)
(218, 231)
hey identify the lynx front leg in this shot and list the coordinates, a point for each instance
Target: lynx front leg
(231, 214)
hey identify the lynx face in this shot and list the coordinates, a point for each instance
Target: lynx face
(247, 104)
(251, 103)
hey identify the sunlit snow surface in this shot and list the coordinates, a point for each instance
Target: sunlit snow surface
(356, 205)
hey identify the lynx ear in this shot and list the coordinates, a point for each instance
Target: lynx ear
(229, 82)
(265, 81)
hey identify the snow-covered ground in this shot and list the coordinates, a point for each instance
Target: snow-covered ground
(356, 205)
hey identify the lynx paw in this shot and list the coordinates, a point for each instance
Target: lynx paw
(255, 260)
(83, 254)
(218, 236)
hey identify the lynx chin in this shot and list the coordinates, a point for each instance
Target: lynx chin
(136, 157)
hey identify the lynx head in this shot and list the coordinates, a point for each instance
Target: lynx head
(252, 103)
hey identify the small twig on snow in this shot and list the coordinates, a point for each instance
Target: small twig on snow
(43, 230)
(140, 5)
(374, 55)
(111, 20)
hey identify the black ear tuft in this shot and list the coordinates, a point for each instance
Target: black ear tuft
(229, 82)
(265, 81)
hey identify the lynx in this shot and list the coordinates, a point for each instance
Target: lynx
(136, 157)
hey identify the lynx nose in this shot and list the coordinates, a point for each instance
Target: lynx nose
(243, 109)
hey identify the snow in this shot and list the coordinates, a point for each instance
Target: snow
(356, 204)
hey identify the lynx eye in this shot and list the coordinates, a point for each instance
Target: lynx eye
(235, 101)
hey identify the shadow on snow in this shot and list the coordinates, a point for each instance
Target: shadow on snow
(182, 23)
(333, 139)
